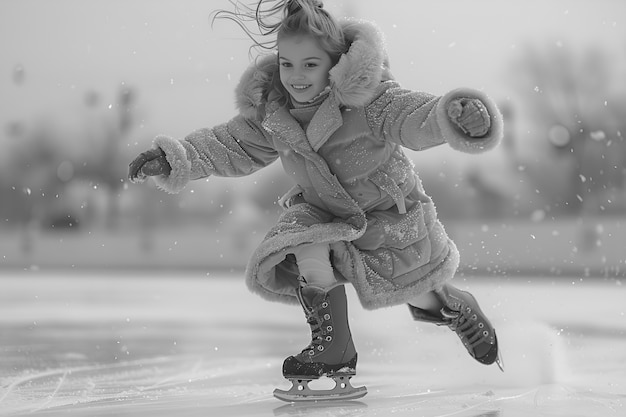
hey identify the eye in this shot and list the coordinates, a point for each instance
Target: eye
(286, 64)
(310, 65)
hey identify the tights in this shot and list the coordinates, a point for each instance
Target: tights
(314, 265)
(427, 301)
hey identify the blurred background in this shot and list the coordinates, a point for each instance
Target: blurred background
(87, 84)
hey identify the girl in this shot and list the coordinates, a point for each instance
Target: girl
(327, 106)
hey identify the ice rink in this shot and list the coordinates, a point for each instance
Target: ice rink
(123, 343)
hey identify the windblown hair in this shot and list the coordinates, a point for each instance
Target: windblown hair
(275, 19)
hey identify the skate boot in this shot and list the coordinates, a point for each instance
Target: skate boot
(331, 352)
(461, 313)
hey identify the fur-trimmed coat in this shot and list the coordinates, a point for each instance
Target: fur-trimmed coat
(355, 188)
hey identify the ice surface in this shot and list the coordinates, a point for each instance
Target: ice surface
(172, 344)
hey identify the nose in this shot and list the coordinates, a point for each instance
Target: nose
(297, 74)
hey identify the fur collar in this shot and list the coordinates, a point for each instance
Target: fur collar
(352, 81)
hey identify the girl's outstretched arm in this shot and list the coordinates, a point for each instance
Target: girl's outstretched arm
(419, 121)
(233, 149)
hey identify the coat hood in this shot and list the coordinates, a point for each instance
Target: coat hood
(353, 79)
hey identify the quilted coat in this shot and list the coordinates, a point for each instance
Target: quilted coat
(355, 188)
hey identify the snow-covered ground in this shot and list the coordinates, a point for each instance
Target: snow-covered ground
(188, 344)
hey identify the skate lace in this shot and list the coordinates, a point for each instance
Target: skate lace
(315, 321)
(465, 323)
(316, 332)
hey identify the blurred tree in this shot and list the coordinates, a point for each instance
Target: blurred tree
(574, 98)
(105, 165)
(46, 162)
(31, 198)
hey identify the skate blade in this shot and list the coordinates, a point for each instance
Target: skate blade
(499, 361)
(300, 391)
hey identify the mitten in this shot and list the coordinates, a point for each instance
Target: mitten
(148, 163)
(471, 116)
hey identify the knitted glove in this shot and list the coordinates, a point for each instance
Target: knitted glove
(470, 115)
(148, 163)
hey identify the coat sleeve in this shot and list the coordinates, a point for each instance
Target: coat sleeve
(236, 148)
(418, 120)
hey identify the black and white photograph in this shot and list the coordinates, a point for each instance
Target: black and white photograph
(313, 208)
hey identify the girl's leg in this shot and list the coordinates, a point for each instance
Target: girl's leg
(314, 265)
(331, 351)
(428, 302)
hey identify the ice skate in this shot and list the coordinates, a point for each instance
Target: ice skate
(331, 352)
(461, 313)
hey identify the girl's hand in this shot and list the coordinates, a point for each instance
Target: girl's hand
(148, 163)
(471, 116)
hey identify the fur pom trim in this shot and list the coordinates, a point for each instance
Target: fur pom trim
(176, 156)
(372, 297)
(256, 80)
(271, 276)
(261, 275)
(359, 71)
(455, 137)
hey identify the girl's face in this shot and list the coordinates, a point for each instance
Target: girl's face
(304, 67)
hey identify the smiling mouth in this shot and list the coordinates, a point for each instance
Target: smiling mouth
(300, 87)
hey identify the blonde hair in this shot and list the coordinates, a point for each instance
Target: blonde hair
(277, 19)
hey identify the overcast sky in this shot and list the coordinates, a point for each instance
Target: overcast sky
(52, 52)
